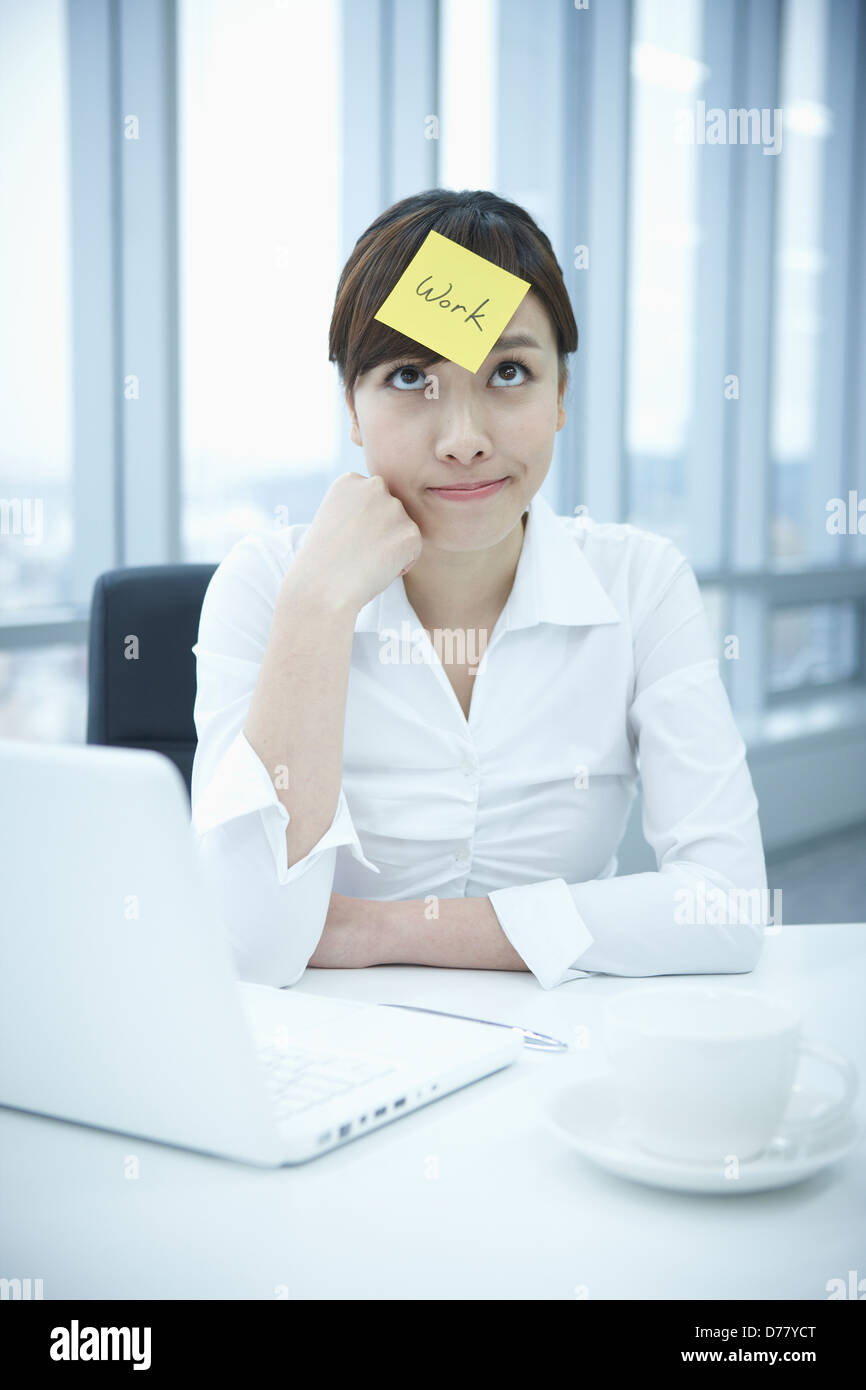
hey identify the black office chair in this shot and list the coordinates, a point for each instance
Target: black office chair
(146, 701)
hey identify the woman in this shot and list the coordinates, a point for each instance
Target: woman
(420, 716)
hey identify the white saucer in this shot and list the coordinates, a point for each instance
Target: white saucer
(587, 1115)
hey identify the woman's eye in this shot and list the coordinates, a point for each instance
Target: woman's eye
(406, 378)
(509, 368)
(409, 378)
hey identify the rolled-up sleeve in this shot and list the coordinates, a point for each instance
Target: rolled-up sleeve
(273, 913)
(705, 909)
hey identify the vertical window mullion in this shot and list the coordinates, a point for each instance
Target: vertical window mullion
(604, 372)
(363, 177)
(760, 27)
(413, 98)
(855, 551)
(527, 154)
(707, 458)
(148, 389)
(755, 246)
(94, 301)
(837, 392)
(575, 172)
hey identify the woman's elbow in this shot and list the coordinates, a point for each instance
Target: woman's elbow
(741, 927)
(736, 918)
(272, 929)
(268, 950)
(276, 927)
(741, 946)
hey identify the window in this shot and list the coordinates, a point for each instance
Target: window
(259, 201)
(663, 234)
(43, 693)
(36, 509)
(813, 644)
(800, 270)
(715, 604)
(467, 94)
(205, 258)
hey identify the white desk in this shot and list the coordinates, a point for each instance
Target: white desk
(470, 1198)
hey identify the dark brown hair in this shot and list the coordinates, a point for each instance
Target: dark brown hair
(493, 227)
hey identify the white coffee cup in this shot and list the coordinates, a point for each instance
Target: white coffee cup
(705, 1073)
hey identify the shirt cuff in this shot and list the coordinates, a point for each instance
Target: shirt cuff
(241, 784)
(543, 924)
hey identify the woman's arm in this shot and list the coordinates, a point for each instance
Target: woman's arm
(705, 909)
(463, 933)
(273, 657)
(298, 709)
(359, 541)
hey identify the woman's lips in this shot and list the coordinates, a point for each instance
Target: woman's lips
(464, 494)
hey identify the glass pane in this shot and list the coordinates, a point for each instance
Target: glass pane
(258, 202)
(715, 606)
(812, 645)
(43, 694)
(36, 524)
(799, 270)
(466, 85)
(663, 233)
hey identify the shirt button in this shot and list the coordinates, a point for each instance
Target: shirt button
(467, 767)
(462, 856)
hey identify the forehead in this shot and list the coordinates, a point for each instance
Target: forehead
(530, 316)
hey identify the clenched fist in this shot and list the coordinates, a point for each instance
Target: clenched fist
(360, 539)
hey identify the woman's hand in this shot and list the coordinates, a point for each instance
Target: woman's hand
(360, 539)
(348, 936)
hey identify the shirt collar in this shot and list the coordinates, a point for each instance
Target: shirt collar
(554, 583)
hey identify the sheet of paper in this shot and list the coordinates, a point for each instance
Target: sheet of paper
(453, 301)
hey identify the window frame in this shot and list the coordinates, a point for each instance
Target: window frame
(126, 458)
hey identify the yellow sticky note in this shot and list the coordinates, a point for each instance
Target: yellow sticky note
(453, 301)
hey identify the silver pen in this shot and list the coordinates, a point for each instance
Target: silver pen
(541, 1042)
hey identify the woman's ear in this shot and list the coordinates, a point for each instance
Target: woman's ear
(355, 432)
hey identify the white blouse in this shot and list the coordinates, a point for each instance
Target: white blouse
(600, 668)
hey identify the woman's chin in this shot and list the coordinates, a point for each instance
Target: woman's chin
(466, 533)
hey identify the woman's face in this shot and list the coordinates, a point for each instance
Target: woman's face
(422, 433)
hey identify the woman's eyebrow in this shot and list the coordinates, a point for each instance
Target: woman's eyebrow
(509, 340)
(515, 340)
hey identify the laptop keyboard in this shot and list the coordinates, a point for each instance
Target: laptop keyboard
(299, 1078)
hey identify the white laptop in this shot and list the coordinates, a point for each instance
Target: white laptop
(120, 1005)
